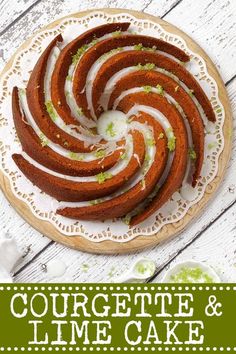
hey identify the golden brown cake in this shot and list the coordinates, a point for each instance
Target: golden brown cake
(109, 123)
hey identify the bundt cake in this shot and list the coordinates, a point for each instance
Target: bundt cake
(110, 125)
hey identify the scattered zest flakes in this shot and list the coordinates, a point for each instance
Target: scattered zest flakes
(126, 219)
(43, 139)
(171, 141)
(138, 46)
(161, 136)
(51, 111)
(211, 145)
(21, 92)
(100, 153)
(85, 267)
(123, 156)
(143, 183)
(147, 89)
(110, 130)
(69, 78)
(80, 111)
(151, 142)
(110, 53)
(75, 156)
(103, 176)
(116, 34)
(191, 93)
(160, 90)
(95, 202)
(192, 154)
(148, 66)
(79, 53)
(176, 88)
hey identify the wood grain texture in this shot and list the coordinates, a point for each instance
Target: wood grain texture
(47, 11)
(168, 230)
(220, 254)
(212, 24)
(11, 10)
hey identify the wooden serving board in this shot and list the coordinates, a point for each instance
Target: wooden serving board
(167, 231)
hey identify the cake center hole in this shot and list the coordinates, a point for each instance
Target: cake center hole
(112, 125)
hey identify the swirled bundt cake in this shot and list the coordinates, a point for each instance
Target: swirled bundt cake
(109, 124)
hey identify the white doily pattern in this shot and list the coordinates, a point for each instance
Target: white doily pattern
(42, 205)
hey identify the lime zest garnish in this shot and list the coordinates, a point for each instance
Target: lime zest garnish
(75, 156)
(69, 78)
(148, 66)
(51, 111)
(147, 89)
(192, 153)
(110, 130)
(138, 46)
(123, 156)
(79, 53)
(191, 93)
(95, 201)
(43, 139)
(160, 90)
(150, 142)
(103, 176)
(116, 33)
(100, 153)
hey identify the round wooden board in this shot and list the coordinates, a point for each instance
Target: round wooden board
(141, 242)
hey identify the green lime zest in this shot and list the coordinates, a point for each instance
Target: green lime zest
(191, 275)
(126, 219)
(191, 93)
(124, 156)
(100, 154)
(110, 130)
(103, 176)
(192, 153)
(116, 34)
(160, 90)
(69, 77)
(75, 156)
(138, 46)
(80, 111)
(171, 142)
(43, 139)
(79, 53)
(51, 111)
(147, 89)
(211, 146)
(94, 202)
(143, 183)
(150, 142)
(148, 66)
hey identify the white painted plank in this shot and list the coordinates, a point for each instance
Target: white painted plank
(101, 267)
(217, 248)
(10, 10)
(212, 23)
(48, 11)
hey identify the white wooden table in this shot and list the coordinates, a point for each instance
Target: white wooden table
(212, 237)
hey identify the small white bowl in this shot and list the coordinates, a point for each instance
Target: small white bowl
(190, 264)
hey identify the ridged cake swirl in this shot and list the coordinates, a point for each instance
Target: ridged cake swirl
(110, 125)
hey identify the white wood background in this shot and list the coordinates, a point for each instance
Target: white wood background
(212, 237)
